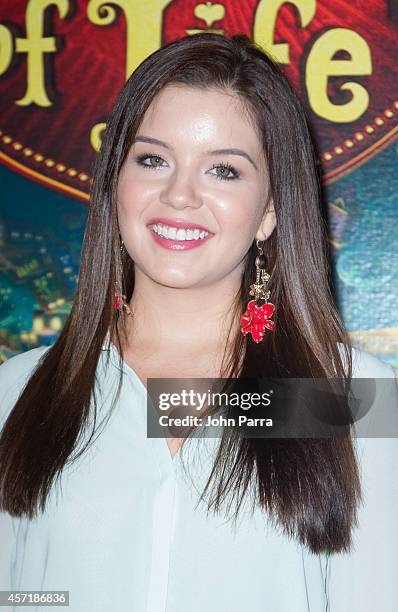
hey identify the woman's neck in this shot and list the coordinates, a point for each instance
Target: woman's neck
(170, 319)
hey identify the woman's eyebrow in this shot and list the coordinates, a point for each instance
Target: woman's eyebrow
(214, 152)
(152, 141)
(233, 152)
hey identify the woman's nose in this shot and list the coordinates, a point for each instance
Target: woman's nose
(180, 192)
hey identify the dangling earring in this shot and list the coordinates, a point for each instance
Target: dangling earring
(121, 304)
(256, 318)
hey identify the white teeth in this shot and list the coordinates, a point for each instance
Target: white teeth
(181, 234)
(173, 233)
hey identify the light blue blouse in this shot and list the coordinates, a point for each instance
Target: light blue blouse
(124, 532)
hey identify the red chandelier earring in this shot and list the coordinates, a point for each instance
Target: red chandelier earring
(256, 318)
(120, 306)
(120, 299)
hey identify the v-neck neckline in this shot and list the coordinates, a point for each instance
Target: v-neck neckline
(144, 389)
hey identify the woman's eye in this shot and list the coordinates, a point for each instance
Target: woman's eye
(152, 161)
(226, 172)
(155, 161)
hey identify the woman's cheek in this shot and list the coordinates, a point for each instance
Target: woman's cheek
(129, 196)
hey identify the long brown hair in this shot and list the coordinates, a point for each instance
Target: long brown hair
(311, 486)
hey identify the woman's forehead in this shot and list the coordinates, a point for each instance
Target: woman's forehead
(201, 115)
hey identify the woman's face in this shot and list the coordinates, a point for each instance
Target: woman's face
(196, 166)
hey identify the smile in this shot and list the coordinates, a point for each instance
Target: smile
(178, 239)
(175, 233)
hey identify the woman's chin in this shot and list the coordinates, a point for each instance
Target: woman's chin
(174, 282)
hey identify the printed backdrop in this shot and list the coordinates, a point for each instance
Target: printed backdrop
(62, 63)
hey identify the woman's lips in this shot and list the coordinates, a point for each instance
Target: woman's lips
(178, 223)
(178, 245)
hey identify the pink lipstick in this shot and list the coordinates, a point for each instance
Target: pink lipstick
(178, 235)
(179, 223)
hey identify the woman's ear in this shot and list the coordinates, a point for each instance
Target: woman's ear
(268, 222)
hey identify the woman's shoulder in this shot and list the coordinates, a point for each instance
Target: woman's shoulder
(18, 365)
(375, 388)
(366, 365)
(14, 373)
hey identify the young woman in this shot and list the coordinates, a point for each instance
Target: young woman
(205, 184)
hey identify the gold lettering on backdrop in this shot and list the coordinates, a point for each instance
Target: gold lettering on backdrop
(96, 134)
(144, 36)
(320, 66)
(143, 25)
(35, 45)
(5, 48)
(209, 13)
(265, 22)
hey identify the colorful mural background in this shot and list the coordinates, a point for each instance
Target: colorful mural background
(85, 50)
